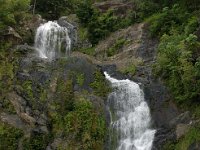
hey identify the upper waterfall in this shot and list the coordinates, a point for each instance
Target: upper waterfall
(130, 117)
(52, 40)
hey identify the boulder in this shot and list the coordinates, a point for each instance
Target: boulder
(181, 130)
(18, 102)
(13, 120)
(12, 36)
(183, 118)
(24, 49)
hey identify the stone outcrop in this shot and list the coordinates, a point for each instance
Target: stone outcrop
(119, 7)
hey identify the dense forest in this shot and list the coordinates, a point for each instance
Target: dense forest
(174, 24)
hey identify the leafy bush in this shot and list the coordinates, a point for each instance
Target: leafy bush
(178, 64)
(168, 19)
(85, 125)
(100, 25)
(37, 141)
(80, 79)
(100, 85)
(9, 137)
(144, 9)
(11, 10)
(88, 51)
(65, 95)
(191, 25)
(85, 12)
(116, 47)
(131, 70)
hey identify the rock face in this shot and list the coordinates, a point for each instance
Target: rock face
(119, 7)
(35, 91)
(72, 28)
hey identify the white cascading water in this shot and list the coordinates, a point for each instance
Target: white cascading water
(130, 116)
(51, 39)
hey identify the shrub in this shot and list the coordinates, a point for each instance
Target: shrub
(178, 66)
(191, 25)
(80, 79)
(85, 125)
(168, 19)
(65, 96)
(131, 70)
(11, 10)
(100, 85)
(9, 137)
(116, 47)
(37, 141)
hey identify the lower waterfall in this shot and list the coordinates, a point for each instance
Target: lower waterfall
(130, 117)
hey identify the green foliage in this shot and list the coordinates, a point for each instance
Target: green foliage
(85, 125)
(178, 65)
(169, 146)
(100, 25)
(168, 19)
(130, 70)
(53, 8)
(11, 11)
(82, 32)
(27, 89)
(7, 73)
(144, 9)
(100, 86)
(85, 12)
(193, 135)
(9, 137)
(191, 25)
(88, 51)
(80, 79)
(65, 96)
(36, 142)
(116, 47)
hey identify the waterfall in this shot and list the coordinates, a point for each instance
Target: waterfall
(130, 117)
(52, 40)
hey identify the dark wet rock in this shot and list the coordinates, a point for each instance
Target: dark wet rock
(24, 49)
(162, 136)
(72, 28)
(79, 66)
(194, 146)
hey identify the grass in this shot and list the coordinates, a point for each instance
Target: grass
(129, 70)
(89, 51)
(193, 135)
